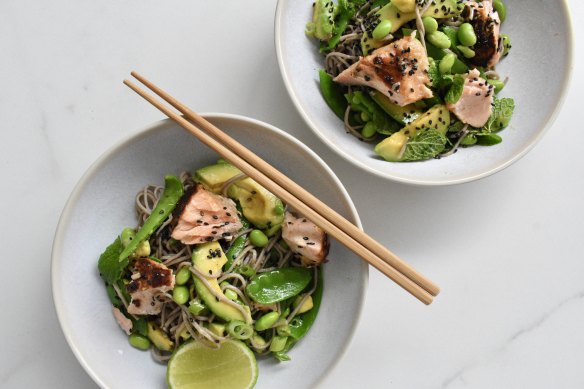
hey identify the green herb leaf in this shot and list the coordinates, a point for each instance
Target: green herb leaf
(501, 115)
(109, 265)
(426, 144)
(113, 296)
(455, 91)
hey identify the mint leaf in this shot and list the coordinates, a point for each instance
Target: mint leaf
(109, 265)
(455, 92)
(501, 115)
(426, 144)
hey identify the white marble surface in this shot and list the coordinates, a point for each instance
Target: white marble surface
(508, 250)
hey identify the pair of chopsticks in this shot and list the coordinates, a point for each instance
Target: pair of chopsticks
(292, 194)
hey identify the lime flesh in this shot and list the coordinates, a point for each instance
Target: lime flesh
(194, 365)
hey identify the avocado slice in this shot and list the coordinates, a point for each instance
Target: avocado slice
(159, 338)
(438, 10)
(209, 258)
(214, 176)
(218, 307)
(403, 115)
(393, 147)
(258, 205)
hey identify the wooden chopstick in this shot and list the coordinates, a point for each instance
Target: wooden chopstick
(267, 176)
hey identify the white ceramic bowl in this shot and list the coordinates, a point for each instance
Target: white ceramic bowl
(103, 203)
(538, 66)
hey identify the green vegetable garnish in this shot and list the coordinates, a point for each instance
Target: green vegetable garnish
(109, 265)
(455, 92)
(502, 112)
(426, 144)
(332, 94)
(277, 285)
(173, 191)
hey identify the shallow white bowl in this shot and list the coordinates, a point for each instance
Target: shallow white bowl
(103, 203)
(538, 66)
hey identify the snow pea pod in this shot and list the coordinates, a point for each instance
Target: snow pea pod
(300, 324)
(332, 93)
(173, 191)
(277, 285)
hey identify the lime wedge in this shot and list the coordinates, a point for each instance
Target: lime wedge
(194, 365)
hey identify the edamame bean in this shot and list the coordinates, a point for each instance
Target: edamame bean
(180, 294)
(266, 321)
(439, 39)
(499, 6)
(230, 294)
(283, 330)
(497, 84)
(278, 343)
(196, 307)
(182, 276)
(466, 51)
(369, 130)
(430, 24)
(468, 140)
(382, 29)
(258, 238)
(506, 41)
(365, 116)
(466, 34)
(446, 63)
(139, 341)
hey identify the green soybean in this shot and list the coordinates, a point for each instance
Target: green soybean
(506, 44)
(466, 34)
(266, 321)
(497, 84)
(180, 294)
(182, 276)
(468, 140)
(446, 63)
(439, 39)
(258, 238)
(430, 24)
(230, 294)
(279, 209)
(466, 51)
(501, 10)
(369, 130)
(382, 29)
(278, 343)
(196, 307)
(139, 341)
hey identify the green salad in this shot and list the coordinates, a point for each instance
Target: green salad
(415, 77)
(214, 257)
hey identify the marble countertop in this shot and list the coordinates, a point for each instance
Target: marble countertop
(508, 250)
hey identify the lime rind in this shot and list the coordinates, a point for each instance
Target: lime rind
(194, 365)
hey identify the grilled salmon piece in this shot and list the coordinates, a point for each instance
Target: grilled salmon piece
(149, 281)
(486, 23)
(474, 106)
(398, 70)
(203, 216)
(124, 323)
(306, 239)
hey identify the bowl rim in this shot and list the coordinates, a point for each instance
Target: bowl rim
(568, 73)
(136, 135)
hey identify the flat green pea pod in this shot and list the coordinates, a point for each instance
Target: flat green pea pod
(300, 324)
(332, 94)
(277, 285)
(499, 6)
(488, 139)
(234, 250)
(173, 191)
(439, 39)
